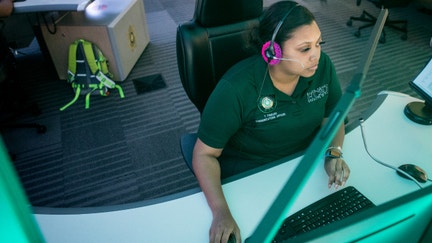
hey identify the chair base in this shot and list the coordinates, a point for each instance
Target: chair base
(399, 25)
(39, 127)
(10, 122)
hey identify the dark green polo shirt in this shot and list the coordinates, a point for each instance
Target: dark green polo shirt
(248, 115)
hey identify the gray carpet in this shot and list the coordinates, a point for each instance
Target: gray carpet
(127, 150)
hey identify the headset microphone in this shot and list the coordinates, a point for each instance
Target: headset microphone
(289, 59)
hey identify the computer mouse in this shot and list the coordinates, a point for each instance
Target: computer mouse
(418, 173)
(232, 238)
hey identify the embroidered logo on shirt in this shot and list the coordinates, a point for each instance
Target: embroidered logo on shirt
(317, 93)
(267, 104)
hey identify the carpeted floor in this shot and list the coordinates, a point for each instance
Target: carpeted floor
(127, 150)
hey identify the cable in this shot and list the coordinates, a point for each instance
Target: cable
(382, 163)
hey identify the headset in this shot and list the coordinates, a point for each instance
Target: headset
(272, 54)
(271, 51)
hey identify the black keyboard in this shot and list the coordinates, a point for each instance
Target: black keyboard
(331, 208)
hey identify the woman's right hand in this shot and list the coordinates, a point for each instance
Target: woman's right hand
(207, 172)
(223, 225)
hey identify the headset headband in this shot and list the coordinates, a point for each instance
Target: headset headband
(278, 26)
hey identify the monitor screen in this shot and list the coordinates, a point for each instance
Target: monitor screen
(16, 220)
(421, 112)
(423, 83)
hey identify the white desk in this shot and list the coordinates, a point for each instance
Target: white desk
(29, 6)
(186, 218)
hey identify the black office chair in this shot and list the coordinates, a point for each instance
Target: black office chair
(13, 99)
(208, 45)
(399, 25)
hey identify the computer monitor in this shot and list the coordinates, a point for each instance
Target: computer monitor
(273, 219)
(17, 224)
(421, 112)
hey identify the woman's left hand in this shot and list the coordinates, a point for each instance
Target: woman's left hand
(337, 170)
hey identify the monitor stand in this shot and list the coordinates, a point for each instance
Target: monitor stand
(419, 112)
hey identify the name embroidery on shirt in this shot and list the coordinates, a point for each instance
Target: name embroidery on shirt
(317, 93)
(270, 116)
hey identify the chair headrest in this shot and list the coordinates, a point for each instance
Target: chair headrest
(211, 13)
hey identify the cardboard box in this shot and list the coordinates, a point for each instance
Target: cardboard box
(118, 28)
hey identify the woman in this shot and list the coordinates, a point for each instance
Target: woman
(268, 107)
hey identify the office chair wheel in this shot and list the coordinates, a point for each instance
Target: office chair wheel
(349, 23)
(357, 33)
(34, 109)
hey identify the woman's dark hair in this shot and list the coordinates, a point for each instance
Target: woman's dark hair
(271, 17)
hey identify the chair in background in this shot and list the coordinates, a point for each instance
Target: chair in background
(13, 99)
(208, 45)
(399, 25)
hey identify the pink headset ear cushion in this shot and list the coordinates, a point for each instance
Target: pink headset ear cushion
(277, 51)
